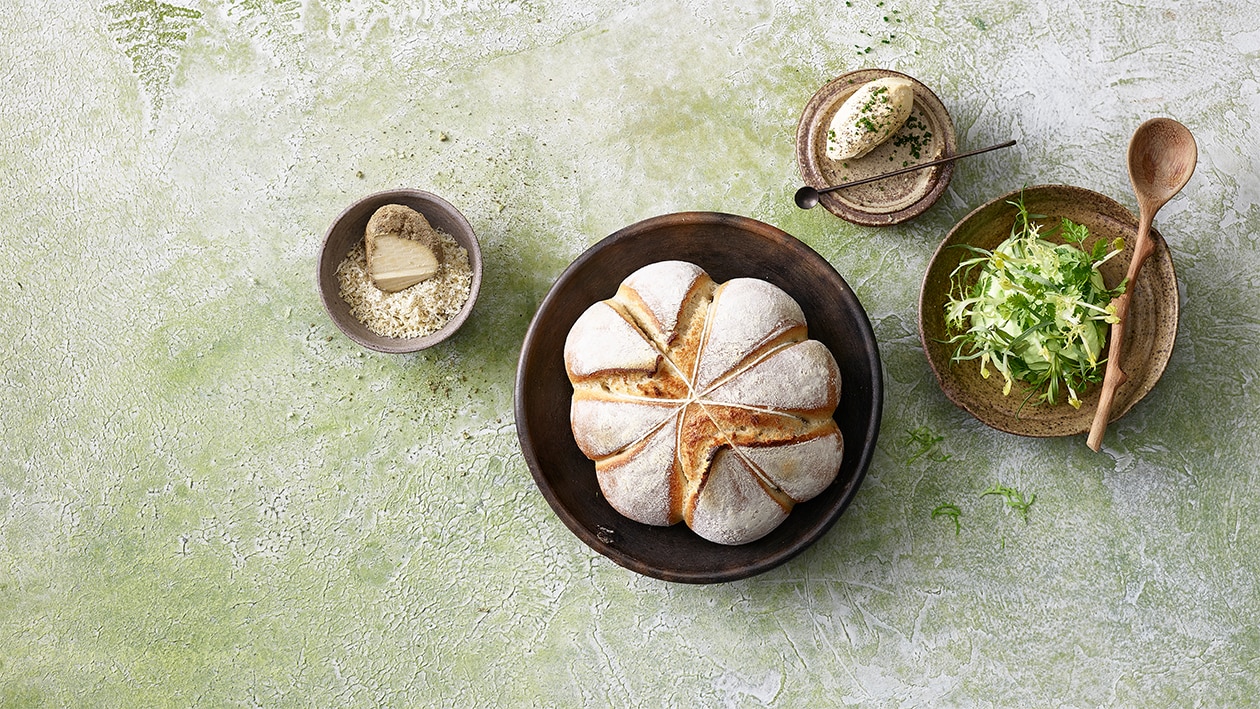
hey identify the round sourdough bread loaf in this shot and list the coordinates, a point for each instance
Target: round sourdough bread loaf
(703, 403)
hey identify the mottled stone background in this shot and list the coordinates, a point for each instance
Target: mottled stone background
(209, 497)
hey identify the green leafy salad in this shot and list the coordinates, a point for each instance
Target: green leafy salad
(1038, 310)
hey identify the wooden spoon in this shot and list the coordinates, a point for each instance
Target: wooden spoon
(1162, 155)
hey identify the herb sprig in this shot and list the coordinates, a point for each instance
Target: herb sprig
(951, 511)
(1014, 498)
(924, 441)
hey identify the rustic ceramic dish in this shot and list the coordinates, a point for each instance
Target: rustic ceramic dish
(346, 232)
(1152, 324)
(929, 131)
(727, 247)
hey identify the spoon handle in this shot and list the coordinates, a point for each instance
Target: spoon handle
(912, 168)
(1114, 376)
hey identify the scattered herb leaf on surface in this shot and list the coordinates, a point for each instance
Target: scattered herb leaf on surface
(922, 440)
(951, 511)
(1014, 498)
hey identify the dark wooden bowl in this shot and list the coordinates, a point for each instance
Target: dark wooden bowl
(727, 247)
(1148, 343)
(346, 232)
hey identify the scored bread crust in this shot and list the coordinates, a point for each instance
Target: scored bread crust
(703, 403)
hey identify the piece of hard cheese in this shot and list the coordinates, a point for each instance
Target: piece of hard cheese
(399, 263)
(402, 248)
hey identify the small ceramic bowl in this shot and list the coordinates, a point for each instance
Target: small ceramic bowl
(927, 134)
(1151, 330)
(347, 232)
(726, 246)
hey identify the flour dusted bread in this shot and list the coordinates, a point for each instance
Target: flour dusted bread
(703, 403)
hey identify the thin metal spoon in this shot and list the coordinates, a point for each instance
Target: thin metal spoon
(807, 197)
(1162, 155)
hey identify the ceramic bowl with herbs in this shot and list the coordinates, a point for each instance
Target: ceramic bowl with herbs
(399, 270)
(1013, 310)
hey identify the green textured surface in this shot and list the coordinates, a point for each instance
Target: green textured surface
(209, 497)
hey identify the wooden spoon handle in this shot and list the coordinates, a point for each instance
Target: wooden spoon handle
(1114, 376)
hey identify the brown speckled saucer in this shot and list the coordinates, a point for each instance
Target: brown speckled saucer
(929, 132)
(1152, 325)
